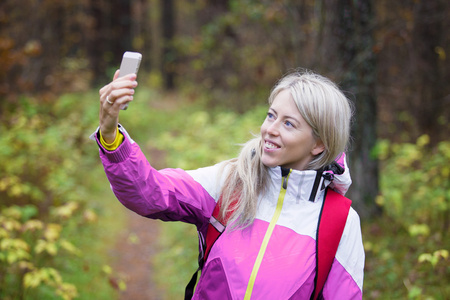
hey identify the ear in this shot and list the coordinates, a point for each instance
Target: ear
(318, 148)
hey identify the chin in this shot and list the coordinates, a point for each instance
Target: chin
(269, 164)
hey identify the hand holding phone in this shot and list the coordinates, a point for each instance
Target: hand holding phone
(130, 64)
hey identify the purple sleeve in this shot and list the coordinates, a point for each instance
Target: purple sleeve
(341, 285)
(169, 194)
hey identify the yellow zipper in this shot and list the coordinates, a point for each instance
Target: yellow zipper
(265, 242)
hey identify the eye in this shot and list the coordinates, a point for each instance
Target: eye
(289, 124)
(270, 115)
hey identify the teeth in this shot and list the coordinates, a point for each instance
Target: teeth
(270, 145)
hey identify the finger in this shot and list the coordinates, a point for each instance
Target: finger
(117, 94)
(122, 82)
(117, 89)
(116, 74)
(118, 82)
(117, 103)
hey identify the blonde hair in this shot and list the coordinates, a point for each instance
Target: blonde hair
(324, 107)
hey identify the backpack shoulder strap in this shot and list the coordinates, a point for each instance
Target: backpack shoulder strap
(217, 225)
(332, 219)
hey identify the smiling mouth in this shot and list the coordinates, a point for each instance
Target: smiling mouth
(269, 145)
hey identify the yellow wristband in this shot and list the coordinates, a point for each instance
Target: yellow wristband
(114, 145)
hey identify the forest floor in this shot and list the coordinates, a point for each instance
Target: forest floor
(136, 245)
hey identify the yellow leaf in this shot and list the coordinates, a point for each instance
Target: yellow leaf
(379, 200)
(51, 249)
(67, 291)
(419, 229)
(33, 225)
(442, 253)
(26, 265)
(441, 52)
(368, 246)
(13, 244)
(107, 269)
(424, 257)
(90, 216)
(70, 247)
(67, 210)
(16, 190)
(11, 225)
(32, 279)
(423, 140)
(52, 275)
(12, 211)
(40, 246)
(52, 232)
(17, 255)
(122, 285)
(11, 257)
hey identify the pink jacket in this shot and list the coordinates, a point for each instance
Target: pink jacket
(274, 258)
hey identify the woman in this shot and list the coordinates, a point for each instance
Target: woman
(274, 190)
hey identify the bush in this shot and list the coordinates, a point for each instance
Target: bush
(407, 248)
(27, 246)
(46, 180)
(415, 185)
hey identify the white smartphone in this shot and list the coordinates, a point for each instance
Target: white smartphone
(130, 64)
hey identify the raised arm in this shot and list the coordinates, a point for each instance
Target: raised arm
(170, 194)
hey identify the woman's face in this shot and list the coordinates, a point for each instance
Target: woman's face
(288, 139)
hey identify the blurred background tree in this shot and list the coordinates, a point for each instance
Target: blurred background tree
(234, 48)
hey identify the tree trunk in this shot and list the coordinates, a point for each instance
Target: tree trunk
(429, 88)
(97, 42)
(359, 74)
(168, 33)
(121, 29)
(112, 34)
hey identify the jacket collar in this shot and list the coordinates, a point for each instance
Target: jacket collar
(308, 185)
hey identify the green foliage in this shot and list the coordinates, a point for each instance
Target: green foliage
(26, 245)
(226, 56)
(176, 261)
(415, 184)
(46, 181)
(408, 246)
(208, 138)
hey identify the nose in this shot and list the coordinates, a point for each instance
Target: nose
(273, 128)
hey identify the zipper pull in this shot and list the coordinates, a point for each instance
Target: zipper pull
(285, 172)
(285, 182)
